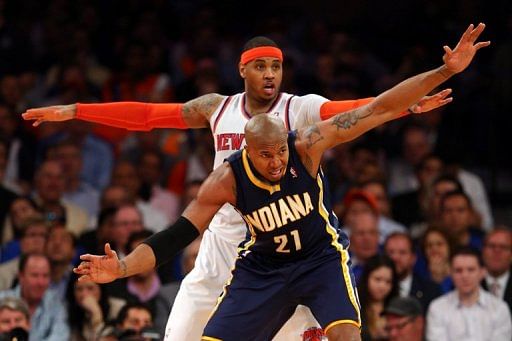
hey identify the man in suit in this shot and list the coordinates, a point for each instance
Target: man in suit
(497, 256)
(400, 248)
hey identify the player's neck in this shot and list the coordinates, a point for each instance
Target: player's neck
(255, 106)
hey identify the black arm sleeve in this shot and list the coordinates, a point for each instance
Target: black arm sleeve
(167, 243)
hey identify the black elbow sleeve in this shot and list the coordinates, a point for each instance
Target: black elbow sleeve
(167, 243)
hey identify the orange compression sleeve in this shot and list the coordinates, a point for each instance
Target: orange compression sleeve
(133, 115)
(331, 108)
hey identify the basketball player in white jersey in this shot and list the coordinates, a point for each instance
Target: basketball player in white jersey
(261, 68)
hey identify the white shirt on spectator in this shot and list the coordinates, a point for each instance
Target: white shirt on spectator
(502, 283)
(488, 319)
(405, 286)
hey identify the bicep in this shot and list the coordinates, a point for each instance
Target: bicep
(197, 112)
(216, 190)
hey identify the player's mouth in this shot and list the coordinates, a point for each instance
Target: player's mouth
(276, 174)
(269, 89)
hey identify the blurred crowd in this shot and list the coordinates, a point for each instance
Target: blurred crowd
(423, 199)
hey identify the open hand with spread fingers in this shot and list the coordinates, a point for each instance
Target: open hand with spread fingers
(428, 103)
(460, 57)
(99, 269)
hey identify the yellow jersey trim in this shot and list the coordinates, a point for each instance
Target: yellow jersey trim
(352, 292)
(257, 182)
(335, 323)
(208, 338)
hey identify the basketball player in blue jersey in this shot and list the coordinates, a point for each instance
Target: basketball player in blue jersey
(261, 68)
(294, 253)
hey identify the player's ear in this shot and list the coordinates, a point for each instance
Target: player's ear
(241, 70)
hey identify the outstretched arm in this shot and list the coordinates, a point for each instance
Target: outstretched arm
(315, 139)
(427, 103)
(218, 189)
(133, 115)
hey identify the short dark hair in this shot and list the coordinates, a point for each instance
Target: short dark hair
(455, 193)
(123, 313)
(258, 42)
(407, 236)
(25, 257)
(448, 178)
(468, 251)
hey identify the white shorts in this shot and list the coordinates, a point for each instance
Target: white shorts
(201, 288)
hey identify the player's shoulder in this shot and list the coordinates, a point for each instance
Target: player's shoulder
(218, 185)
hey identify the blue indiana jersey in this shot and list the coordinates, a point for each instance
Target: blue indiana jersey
(289, 220)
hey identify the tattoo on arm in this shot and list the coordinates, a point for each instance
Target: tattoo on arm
(349, 119)
(203, 106)
(122, 265)
(312, 135)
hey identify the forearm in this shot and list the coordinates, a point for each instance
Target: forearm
(165, 244)
(395, 101)
(140, 260)
(133, 115)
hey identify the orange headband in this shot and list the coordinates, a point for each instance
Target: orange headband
(262, 51)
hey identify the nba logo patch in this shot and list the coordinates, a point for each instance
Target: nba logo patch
(293, 172)
(313, 334)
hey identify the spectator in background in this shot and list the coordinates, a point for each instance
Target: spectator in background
(437, 247)
(33, 240)
(404, 319)
(7, 196)
(387, 224)
(410, 208)
(76, 191)
(14, 319)
(468, 312)
(400, 248)
(364, 241)
(49, 191)
(89, 309)
(148, 289)
(497, 257)
(378, 285)
(19, 210)
(457, 217)
(125, 175)
(97, 155)
(359, 201)
(114, 196)
(18, 170)
(150, 168)
(48, 318)
(134, 317)
(127, 220)
(94, 241)
(416, 145)
(60, 250)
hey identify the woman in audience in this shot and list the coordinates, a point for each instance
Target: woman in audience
(437, 247)
(89, 309)
(378, 284)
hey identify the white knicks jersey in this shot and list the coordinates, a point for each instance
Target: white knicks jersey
(227, 124)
